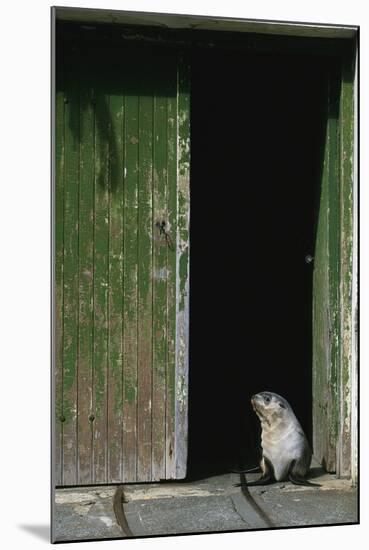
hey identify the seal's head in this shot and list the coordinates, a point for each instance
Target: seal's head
(270, 407)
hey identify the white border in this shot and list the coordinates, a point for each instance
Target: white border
(25, 267)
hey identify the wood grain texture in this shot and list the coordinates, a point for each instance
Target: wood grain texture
(101, 281)
(130, 284)
(320, 311)
(115, 288)
(116, 270)
(172, 130)
(325, 302)
(145, 295)
(85, 279)
(333, 266)
(59, 256)
(182, 267)
(346, 266)
(321, 340)
(159, 289)
(70, 278)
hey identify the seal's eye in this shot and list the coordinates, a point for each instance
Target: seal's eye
(281, 405)
(266, 398)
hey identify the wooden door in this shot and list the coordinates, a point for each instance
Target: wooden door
(121, 263)
(333, 316)
(325, 294)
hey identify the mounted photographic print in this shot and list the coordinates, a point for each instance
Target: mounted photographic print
(204, 274)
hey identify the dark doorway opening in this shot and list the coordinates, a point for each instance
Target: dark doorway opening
(257, 142)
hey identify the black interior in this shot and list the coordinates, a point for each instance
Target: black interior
(257, 138)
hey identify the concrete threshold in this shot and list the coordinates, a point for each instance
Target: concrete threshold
(207, 505)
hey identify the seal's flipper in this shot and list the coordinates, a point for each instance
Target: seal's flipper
(265, 479)
(298, 480)
(251, 470)
(302, 481)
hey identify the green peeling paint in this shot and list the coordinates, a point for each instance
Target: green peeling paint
(332, 383)
(121, 147)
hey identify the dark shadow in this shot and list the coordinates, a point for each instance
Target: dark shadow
(258, 127)
(40, 531)
(316, 472)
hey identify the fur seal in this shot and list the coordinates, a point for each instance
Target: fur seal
(285, 450)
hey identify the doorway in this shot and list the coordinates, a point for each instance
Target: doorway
(258, 124)
(273, 177)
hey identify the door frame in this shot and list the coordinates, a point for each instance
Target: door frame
(282, 36)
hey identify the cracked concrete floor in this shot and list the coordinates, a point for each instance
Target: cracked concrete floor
(207, 505)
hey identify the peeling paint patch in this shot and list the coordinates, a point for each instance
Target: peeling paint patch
(181, 391)
(182, 268)
(346, 287)
(161, 274)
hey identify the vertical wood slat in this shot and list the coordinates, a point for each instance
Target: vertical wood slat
(59, 252)
(348, 450)
(144, 342)
(115, 290)
(85, 277)
(346, 428)
(326, 295)
(334, 271)
(321, 348)
(130, 285)
(101, 281)
(159, 288)
(170, 472)
(182, 267)
(70, 279)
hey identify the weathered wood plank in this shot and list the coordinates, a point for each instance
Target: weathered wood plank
(115, 355)
(321, 345)
(326, 341)
(182, 269)
(101, 279)
(130, 284)
(145, 313)
(70, 279)
(171, 268)
(85, 276)
(59, 253)
(159, 287)
(346, 264)
(334, 270)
